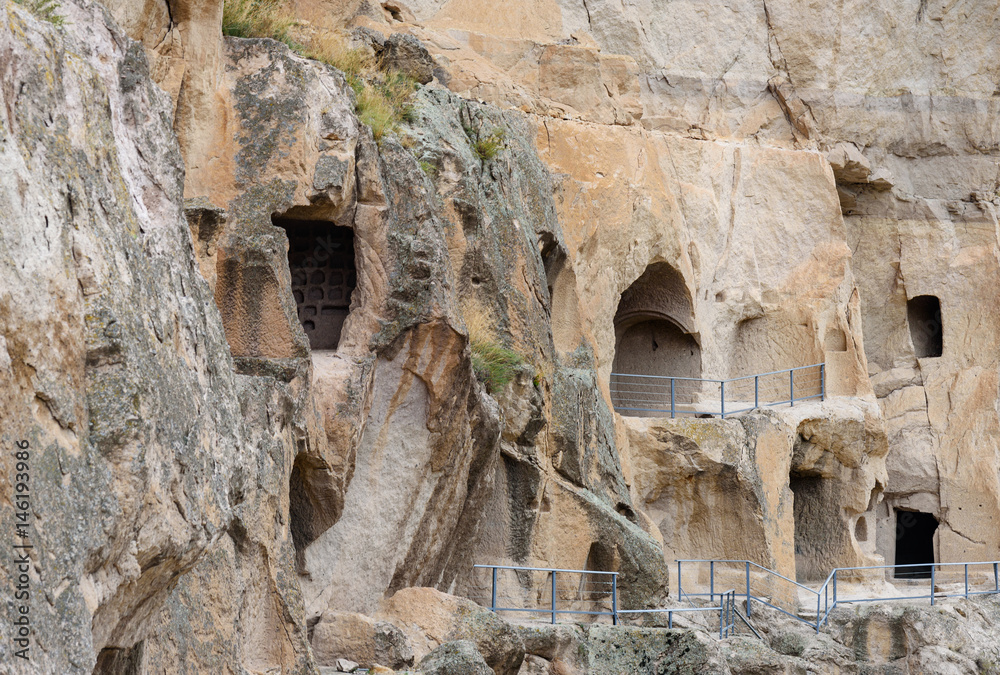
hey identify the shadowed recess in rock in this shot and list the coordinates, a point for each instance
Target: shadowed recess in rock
(923, 314)
(914, 543)
(321, 262)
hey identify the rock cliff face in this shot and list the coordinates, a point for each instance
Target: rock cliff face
(242, 337)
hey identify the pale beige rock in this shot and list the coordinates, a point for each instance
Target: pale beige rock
(359, 638)
(734, 490)
(722, 139)
(431, 618)
(114, 369)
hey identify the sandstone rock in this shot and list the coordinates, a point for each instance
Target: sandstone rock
(236, 496)
(849, 165)
(535, 665)
(459, 656)
(405, 53)
(359, 638)
(115, 369)
(431, 618)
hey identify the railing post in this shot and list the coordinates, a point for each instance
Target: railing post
(819, 614)
(748, 588)
(670, 619)
(729, 611)
(996, 578)
(791, 387)
(933, 570)
(711, 581)
(722, 612)
(834, 588)
(553, 596)
(723, 398)
(493, 602)
(680, 588)
(731, 622)
(756, 391)
(614, 599)
(822, 381)
(966, 581)
(673, 408)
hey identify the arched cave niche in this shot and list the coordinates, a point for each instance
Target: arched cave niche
(324, 275)
(923, 314)
(653, 336)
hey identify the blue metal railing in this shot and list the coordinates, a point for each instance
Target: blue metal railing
(695, 396)
(824, 603)
(579, 587)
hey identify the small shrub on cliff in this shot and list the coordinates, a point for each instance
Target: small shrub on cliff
(487, 147)
(384, 102)
(46, 10)
(258, 19)
(494, 364)
(484, 147)
(381, 94)
(333, 51)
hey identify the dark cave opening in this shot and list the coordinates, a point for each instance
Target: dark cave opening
(914, 544)
(923, 314)
(324, 276)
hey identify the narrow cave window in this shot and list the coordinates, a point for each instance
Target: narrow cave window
(861, 529)
(321, 262)
(923, 313)
(836, 340)
(114, 661)
(914, 544)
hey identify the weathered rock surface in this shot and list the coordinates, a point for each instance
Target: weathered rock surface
(361, 639)
(750, 487)
(432, 619)
(768, 182)
(114, 365)
(459, 656)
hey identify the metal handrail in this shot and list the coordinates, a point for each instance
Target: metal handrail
(822, 594)
(726, 607)
(635, 396)
(731, 379)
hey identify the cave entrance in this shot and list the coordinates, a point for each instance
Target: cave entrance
(914, 544)
(657, 347)
(923, 314)
(654, 339)
(321, 262)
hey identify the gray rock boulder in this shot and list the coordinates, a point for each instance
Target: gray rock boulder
(455, 658)
(407, 54)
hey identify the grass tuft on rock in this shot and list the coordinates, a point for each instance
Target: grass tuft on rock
(46, 10)
(259, 19)
(487, 147)
(382, 95)
(384, 102)
(494, 365)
